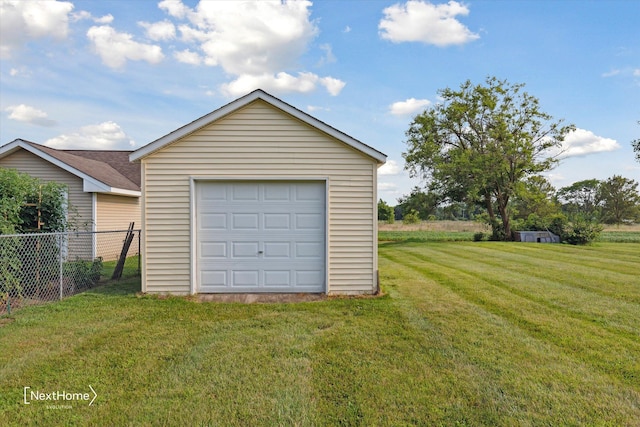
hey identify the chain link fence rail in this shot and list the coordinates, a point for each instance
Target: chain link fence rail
(41, 267)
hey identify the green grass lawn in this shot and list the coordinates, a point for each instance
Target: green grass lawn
(469, 333)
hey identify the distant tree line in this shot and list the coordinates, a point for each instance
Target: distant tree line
(536, 205)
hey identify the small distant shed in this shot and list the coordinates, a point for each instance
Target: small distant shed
(537, 237)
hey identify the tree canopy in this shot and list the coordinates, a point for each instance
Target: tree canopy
(480, 143)
(581, 199)
(620, 200)
(636, 146)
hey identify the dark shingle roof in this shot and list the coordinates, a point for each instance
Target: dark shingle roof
(109, 167)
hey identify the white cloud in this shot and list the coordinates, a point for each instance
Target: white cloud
(389, 168)
(20, 72)
(174, 8)
(333, 86)
(281, 82)
(192, 35)
(347, 29)
(28, 114)
(83, 14)
(106, 19)
(79, 16)
(252, 37)
(611, 73)
(313, 108)
(163, 30)
(102, 136)
(387, 187)
(255, 42)
(419, 21)
(409, 106)
(623, 72)
(26, 20)
(582, 142)
(116, 48)
(328, 57)
(188, 57)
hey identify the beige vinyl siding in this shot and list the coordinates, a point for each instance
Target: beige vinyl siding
(259, 142)
(115, 213)
(81, 202)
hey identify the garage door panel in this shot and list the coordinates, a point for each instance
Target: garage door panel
(214, 278)
(213, 221)
(213, 193)
(277, 250)
(261, 236)
(277, 221)
(280, 192)
(309, 278)
(245, 221)
(309, 221)
(309, 250)
(245, 278)
(244, 192)
(277, 278)
(213, 250)
(245, 249)
(310, 192)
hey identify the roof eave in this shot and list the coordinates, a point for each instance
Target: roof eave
(89, 184)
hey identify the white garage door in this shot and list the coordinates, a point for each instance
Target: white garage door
(260, 236)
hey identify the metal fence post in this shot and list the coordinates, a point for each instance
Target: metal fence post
(60, 238)
(139, 254)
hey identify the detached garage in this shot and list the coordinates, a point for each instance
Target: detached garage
(259, 197)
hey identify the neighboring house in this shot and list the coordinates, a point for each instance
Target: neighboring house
(259, 196)
(103, 186)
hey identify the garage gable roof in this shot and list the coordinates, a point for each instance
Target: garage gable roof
(100, 171)
(239, 103)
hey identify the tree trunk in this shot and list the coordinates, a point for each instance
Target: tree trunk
(487, 201)
(506, 221)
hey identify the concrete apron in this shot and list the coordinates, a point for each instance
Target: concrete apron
(259, 298)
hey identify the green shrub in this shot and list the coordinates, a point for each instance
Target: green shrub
(582, 232)
(478, 237)
(558, 225)
(85, 274)
(413, 217)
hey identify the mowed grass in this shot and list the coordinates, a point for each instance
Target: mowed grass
(468, 333)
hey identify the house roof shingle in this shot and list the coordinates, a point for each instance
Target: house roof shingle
(112, 168)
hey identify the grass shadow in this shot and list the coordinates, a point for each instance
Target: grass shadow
(129, 286)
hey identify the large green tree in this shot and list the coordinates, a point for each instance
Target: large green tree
(581, 199)
(423, 203)
(480, 142)
(535, 196)
(620, 200)
(385, 212)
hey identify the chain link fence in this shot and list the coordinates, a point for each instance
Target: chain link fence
(41, 267)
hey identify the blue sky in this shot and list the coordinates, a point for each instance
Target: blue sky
(120, 74)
